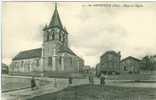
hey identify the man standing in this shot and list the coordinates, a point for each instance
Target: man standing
(33, 83)
(70, 80)
(91, 79)
(102, 80)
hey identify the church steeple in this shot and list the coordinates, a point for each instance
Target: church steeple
(54, 31)
(55, 20)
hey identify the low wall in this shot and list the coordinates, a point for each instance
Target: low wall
(49, 74)
(12, 83)
(132, 77)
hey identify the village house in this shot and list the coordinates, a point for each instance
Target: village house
(54, 55)
(153, 61)
(109, 63)
(130, 65)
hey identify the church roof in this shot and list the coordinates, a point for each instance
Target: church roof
(66, 49)
(27, 54)
(55, 20)
(36, 53)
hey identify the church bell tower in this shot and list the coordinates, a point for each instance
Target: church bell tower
(54, 37)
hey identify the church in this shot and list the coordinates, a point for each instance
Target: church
(55, 54)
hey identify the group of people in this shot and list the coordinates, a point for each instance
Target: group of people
(102, 79)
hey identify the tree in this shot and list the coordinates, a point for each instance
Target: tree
(146, 64)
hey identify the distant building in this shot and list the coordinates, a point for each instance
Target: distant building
(109, 63)
(98, 69)
(130, 65)
(5, 69)
(92, 71)
(55, 54)
(86, 69)
(153, 60)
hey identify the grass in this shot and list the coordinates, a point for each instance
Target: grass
(96, 92)
(14, 83)
(9, 83)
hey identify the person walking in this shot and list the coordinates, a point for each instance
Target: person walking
(70, 80)
(55, 83)
(33, 83)
(91, 79)
(102, 80)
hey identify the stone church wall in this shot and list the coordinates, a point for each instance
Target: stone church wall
(26, 65)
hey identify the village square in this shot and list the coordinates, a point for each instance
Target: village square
(56, 72)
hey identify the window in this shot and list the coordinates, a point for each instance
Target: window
(125, 69)
(53, 36)
(47, 37)
(28, 65)
(60, 60)
(50, 37)
(48, 33)
(15, 64)
(71, 61)
(60, 38)
(22, 62)
(37, 62)
(49, 61)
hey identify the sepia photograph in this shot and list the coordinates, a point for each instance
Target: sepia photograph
(74, 50)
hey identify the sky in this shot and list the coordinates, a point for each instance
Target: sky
(92, 29)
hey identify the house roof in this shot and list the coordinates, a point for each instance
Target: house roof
(27, 54)
(130, 57)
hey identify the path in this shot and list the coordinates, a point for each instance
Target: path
(24, 94)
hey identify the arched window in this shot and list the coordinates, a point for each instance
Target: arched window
(47, 36)
(60, 60)
(60, 37)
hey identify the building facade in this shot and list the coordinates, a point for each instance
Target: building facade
(55, 54)
(109, 63)
(86, 69)
(4, 68)
(27, 61)
(130, 65)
